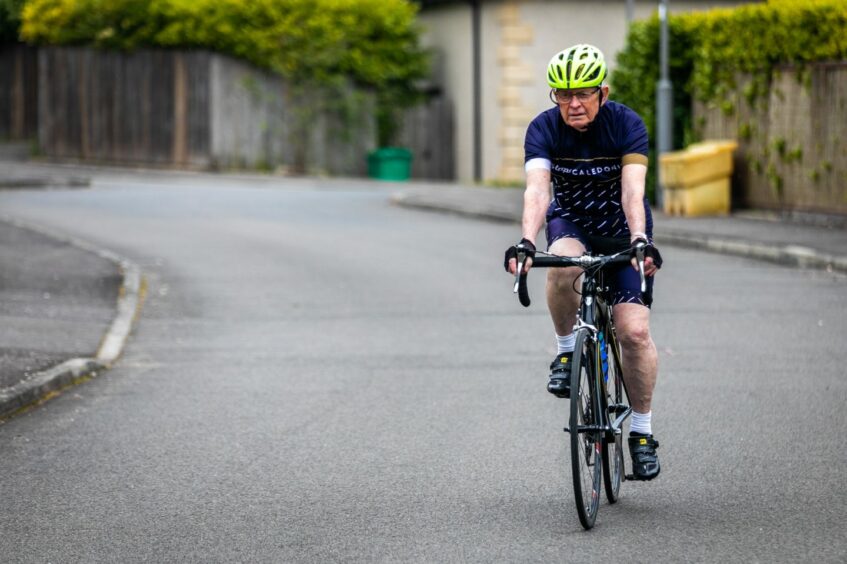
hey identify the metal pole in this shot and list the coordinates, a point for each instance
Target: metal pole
(630, 11)
(664, 101)
(477, 89)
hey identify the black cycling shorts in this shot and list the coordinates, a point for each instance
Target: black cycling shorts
(624, 281)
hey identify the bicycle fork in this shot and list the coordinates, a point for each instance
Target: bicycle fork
(594, 400)
(610, 429)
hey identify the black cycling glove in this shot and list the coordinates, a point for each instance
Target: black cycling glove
(524, 245)
(650, 250)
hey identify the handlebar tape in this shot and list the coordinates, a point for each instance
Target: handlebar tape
(523, 293)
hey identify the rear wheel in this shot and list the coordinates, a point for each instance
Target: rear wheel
(586, 439)
(615, 404)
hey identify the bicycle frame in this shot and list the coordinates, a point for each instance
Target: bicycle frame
(596, 416)
(595, 318)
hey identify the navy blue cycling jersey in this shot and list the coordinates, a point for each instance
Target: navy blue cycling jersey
(585, 167)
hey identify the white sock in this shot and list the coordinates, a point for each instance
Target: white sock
(640, 423)
(566, 343)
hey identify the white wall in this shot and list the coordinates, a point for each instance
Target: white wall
(447, 31)
(552, 25)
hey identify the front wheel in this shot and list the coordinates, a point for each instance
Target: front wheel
(586, 437)
(615, 404)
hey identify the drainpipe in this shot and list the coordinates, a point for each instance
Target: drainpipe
(664, 102)
(476, 35)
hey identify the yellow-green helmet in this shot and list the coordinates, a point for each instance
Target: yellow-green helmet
(580, 66)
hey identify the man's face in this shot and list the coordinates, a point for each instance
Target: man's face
(579, 107)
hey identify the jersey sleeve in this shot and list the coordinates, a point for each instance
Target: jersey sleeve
(538, 143)
(635, 143)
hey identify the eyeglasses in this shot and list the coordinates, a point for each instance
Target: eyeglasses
(565, 96)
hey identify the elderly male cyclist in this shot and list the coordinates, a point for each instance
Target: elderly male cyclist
(594, 151)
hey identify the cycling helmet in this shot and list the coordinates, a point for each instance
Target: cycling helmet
(580, 66)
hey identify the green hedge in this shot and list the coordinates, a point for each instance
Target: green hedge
(637, 72)
(372, 44)
(10, 20)
(710, 49)
(755, 39)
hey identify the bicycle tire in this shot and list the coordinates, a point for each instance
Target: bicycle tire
(586, 446)
(613, 456)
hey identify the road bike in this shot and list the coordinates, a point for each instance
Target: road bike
(599, 403)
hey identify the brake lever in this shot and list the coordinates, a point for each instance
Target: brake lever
(521, 258)
(639, 258)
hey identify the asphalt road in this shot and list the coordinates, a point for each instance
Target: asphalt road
(61, 314)
(319, 376)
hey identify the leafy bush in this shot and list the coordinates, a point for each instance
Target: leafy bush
(324, 43)
(754, 39)
(371, 41)
(10, 20)
(634, 80)
(709, 50)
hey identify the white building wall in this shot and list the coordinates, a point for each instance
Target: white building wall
(447, 31)
(518, 39)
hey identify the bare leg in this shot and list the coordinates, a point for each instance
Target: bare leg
(640, 360)
(562, 300)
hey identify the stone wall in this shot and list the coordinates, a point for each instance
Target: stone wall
(199, 109)
(516, 74)
(259, 121)
(792, 140)
(189, 109)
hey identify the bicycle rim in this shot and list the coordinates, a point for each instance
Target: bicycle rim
(613, 461)
(586, 447)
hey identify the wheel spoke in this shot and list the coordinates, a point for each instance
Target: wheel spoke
(616, 403)
(586, 446)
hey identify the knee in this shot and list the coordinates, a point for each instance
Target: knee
(562, 279)
(635, 337)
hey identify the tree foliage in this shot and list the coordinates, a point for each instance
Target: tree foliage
(10, 20)
(373, 42)
(710, 50)
(328, 44)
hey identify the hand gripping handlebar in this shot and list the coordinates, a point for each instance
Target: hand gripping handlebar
(585, 262)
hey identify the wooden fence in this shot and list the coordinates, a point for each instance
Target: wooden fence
(149, 106)
(199, 109)
(428, 131)
(792, 141)
(18, 92)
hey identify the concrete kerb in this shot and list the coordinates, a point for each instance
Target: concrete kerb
(29, 182)
(458, 206)
(790, 255)
(44, 384)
